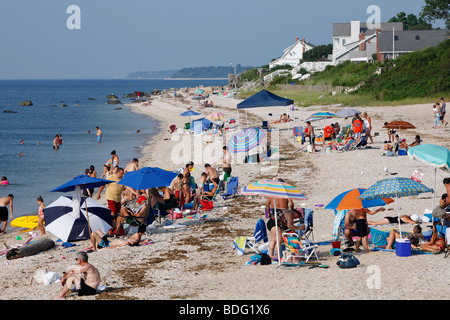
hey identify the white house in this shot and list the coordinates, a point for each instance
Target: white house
(292, 54)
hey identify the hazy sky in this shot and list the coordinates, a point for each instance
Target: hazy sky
(118, 37)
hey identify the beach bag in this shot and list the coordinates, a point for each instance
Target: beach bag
(347, 260)
(206, 204)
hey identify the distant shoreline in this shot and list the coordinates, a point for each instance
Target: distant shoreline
(176, 79)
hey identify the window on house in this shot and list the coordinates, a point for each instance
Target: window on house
(417, 37)
(343, 42)
(396, 38)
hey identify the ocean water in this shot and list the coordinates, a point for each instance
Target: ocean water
(41, 168)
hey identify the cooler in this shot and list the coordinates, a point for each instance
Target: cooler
(403, 247)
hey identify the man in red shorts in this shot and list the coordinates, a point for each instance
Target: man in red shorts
(113, 192)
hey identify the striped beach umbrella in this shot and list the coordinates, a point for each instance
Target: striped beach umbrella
(347, 112)
(274, 189)
(63, 219)
(394, 187)
(246, 139)
(215, 116)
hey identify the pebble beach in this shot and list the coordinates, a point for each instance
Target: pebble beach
(195, 260)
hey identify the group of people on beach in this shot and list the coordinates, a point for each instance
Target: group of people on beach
(439, 110)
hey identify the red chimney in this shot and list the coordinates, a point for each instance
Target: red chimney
(304, 45)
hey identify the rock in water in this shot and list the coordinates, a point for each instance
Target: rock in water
(26, 103)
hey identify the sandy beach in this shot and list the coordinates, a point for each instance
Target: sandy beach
(197, 262)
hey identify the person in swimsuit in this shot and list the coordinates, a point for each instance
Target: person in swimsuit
(4, 201)
(84, 278)
(206, 194)
(285, 222)
(100, 241)
(99, 135)
(126, 212)
(40, 201)
(4, 181)
(114, 160)
(387, 220)
(362, 226)
(437, 241)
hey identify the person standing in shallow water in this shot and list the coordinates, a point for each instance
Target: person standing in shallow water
(99, 135)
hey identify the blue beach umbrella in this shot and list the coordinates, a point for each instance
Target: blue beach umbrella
(147, 177)
(199, 91)
(394, 187)
(190, 113)
(246, 139)
(433, 155)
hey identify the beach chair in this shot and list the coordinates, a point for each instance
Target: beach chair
(296, 250)
(307, 220)
(362, 143)
(347, 146)
(132, 224)
(443, 232)
(232, 188)
(257, 242)
(299, 134)
(339, 224)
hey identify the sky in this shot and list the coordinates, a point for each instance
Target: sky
(118, 37)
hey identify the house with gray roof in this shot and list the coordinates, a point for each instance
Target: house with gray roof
(393, 44)
(356, 42)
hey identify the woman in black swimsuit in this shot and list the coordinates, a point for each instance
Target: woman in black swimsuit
(387, 220)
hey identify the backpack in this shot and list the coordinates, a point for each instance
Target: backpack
(347, 261)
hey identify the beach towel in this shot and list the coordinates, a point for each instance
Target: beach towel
(239, 245)
(339, 217)
(260, 231)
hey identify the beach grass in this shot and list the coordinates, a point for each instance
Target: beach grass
(305, 98)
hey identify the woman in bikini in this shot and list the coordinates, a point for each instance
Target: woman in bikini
(100, 241)
(437, 241)
(40, 201)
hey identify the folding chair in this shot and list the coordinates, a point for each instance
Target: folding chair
(307, 220)
(299, 134)
(133, 223)
(295, 250)
(232, 188)
(443, 231)
(259, 236)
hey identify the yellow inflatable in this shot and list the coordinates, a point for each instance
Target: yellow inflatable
(27, 222)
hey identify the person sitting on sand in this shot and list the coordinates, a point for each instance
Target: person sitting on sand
(388, 220)
(85, 278)
(437, 241)
(394, 146)
(417, 141)
(416, 237)
(100, 241)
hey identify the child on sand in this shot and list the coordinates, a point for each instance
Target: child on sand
(40, 201)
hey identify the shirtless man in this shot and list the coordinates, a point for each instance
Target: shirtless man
(356, 219)
(211, 172)
(4, 201)
(311, 135)
(114, 161)
(86, 278)
(132, 166)
(226, 163)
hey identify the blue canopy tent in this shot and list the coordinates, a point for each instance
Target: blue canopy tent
(264, 98)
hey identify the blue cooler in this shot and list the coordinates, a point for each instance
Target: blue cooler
(403, 247)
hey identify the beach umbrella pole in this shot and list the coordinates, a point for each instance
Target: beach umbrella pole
(87, 213)
(434, 187)
(276, 230)
(398, 217)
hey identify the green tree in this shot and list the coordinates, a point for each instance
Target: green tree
(411, 21)
(317, 53)
(436, 10)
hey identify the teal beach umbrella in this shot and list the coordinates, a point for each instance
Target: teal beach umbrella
(433, 155)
